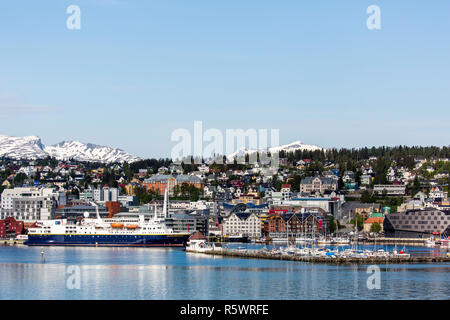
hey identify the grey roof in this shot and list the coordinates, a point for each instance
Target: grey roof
(309, 180)
(180, 178)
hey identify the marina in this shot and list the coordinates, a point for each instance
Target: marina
(340, 254)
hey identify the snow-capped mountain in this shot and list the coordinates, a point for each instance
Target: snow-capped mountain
(291, 147)
(29, 147)
(32, 148)
(88, 152)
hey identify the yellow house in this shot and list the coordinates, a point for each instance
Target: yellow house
(98, 171)
(130, 188)
(368, 223)
(6, 183)
(247, 198)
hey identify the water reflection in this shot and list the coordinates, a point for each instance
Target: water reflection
(140, 273)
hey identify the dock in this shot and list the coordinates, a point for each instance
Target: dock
(11, 242)
(257, 254)
(394, 241)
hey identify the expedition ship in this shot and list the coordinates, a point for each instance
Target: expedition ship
(130, 232)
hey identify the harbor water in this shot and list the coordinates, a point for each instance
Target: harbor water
(169, 273)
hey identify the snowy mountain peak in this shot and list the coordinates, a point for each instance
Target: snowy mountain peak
(88, 152)
(31, 147)
(21, 147)
(291, 147)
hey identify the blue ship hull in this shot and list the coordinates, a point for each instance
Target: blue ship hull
(108, 240)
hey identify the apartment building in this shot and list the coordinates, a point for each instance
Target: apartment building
(318, 184)
(160, 182)
(30, 204)
(242, 224)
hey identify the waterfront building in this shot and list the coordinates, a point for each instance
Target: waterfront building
(370, 221)
(242, 224)
(327, 204)
(417, 223)
(10, 227)
(30, 204)
(76, 212)
(294, 223)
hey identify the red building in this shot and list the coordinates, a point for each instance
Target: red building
(10, 227)
(237, 183)
(277, 211)
(159, 183)
(294, 222)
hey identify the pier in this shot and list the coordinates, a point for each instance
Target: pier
(11, 242)
(394, 241)
(258, 254)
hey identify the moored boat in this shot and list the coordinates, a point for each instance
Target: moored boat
(107, 232)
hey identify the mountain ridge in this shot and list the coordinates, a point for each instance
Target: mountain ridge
(31, 147)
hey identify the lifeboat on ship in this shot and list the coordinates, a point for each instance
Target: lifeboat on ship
(132, 226)
(116, 225)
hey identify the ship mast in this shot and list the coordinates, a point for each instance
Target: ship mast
(96, 210)
(166, 201)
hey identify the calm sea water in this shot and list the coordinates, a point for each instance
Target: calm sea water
(152, 273)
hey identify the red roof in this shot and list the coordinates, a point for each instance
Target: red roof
(374, 219)
(197, 236)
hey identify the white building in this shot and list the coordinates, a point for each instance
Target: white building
(106, 194)
(30, 204)
(391, 190)
(242, 224)
(366, 179)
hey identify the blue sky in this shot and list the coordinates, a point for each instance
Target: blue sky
(138, 70)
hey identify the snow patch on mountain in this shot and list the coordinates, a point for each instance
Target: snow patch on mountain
(29, 147)
(32, 148)
(291, 147)
(88, 152)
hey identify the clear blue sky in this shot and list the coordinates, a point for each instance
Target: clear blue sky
(137, 70)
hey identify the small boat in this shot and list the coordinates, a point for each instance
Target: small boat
(400, 254)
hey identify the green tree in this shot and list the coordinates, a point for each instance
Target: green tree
(331, 225)
(359, 220)
(366, 197)
(375, 227)
(20, 178)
